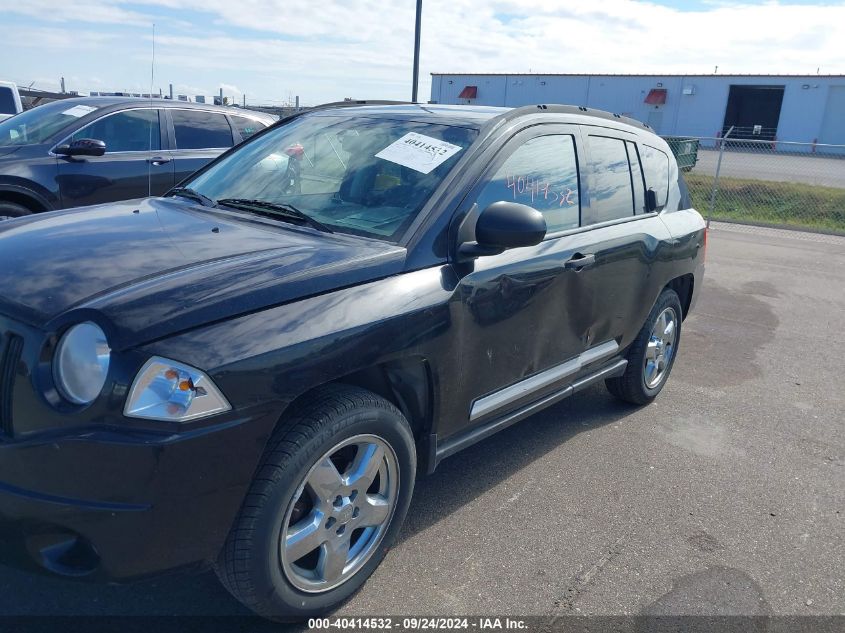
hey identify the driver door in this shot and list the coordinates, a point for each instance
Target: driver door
(522, 313)
(133, 166)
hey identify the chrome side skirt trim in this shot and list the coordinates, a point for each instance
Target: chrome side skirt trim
(508, 395)
(452, 445)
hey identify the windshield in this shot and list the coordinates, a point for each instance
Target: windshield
(361, 175)
(41, 123)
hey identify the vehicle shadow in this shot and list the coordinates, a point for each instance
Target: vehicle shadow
(203, 602)
(472, 472)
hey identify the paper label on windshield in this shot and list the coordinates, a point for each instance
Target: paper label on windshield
(78, 110)
(419, 152)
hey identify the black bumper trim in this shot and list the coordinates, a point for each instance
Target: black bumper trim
(104, 506)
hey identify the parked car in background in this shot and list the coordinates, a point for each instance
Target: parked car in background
(85, 151)
(247, 372)
(10, 100)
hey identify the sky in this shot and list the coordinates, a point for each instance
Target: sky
(326, 50)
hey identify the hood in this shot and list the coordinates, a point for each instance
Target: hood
(147, 269)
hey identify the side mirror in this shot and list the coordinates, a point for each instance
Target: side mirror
(504, 225)
(82, 147)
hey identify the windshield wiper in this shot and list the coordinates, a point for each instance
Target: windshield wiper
(275, 210)
(192, 194)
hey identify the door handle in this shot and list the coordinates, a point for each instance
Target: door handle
(158, 160)
(579, 261)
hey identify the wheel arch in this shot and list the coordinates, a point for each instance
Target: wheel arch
(24, 196)
(683, 287)
(406, 382)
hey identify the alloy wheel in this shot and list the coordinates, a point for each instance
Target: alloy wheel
(340, 513)
(661, 348)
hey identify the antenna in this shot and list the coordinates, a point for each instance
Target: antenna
(152, 111)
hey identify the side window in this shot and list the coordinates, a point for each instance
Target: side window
(656, 167)
(636, 178)
(247, 127)
(7, 101)
(542, 173)
(196, 129)
(611, 194)
(129, 131)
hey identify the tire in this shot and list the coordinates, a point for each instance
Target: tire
(293, 486)
(642, 381)
(12, 210)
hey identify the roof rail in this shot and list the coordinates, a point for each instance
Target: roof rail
(360, 102)
(571, 109)
(340, 104)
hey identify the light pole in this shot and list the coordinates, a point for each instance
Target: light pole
(417, 52)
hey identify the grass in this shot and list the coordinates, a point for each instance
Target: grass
(767, 202)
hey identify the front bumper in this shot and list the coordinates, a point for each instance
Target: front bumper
(118, 505)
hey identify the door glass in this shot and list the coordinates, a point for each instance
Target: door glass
(611, 195)
(129, 131)
(197, 129)
(7, 101)
(636, 178)
(247, 127)
(656, 167)
(542, 173)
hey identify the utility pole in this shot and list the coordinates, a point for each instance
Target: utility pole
(63, 85)
(244, 100)
(171, 92)
(417, 52)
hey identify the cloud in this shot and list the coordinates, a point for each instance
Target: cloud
(363, 48)
(92, 11)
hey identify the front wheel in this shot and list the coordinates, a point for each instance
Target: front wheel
(652, 354)
(326, 504)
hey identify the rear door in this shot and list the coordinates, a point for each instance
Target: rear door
(133, 166)
(199, 136)
(622, 236)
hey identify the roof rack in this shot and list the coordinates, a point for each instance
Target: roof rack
(571, 109)
(340, 104)
(360, 102)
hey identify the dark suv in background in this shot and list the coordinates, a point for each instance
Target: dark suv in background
(78, 152)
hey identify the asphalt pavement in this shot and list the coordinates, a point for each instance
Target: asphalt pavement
(725, 496)
(811, 169)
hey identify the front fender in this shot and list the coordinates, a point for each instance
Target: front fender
(273, 356)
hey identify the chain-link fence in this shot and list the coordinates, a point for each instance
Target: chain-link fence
(766, 182)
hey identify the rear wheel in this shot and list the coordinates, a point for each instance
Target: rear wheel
(12, 210)
(652, 354)
(325, 506)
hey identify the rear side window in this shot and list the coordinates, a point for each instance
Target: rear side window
(656, 167)
(7, 101)
(128, 131)
(611, 192)
(247, 127)
(196, 129)
(542, 173)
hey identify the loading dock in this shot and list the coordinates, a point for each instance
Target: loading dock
(753, 112)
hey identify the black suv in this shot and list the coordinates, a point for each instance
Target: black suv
(90, 150)
(248, 372)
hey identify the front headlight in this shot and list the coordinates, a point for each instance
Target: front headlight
(174, 392)
(81, 363)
